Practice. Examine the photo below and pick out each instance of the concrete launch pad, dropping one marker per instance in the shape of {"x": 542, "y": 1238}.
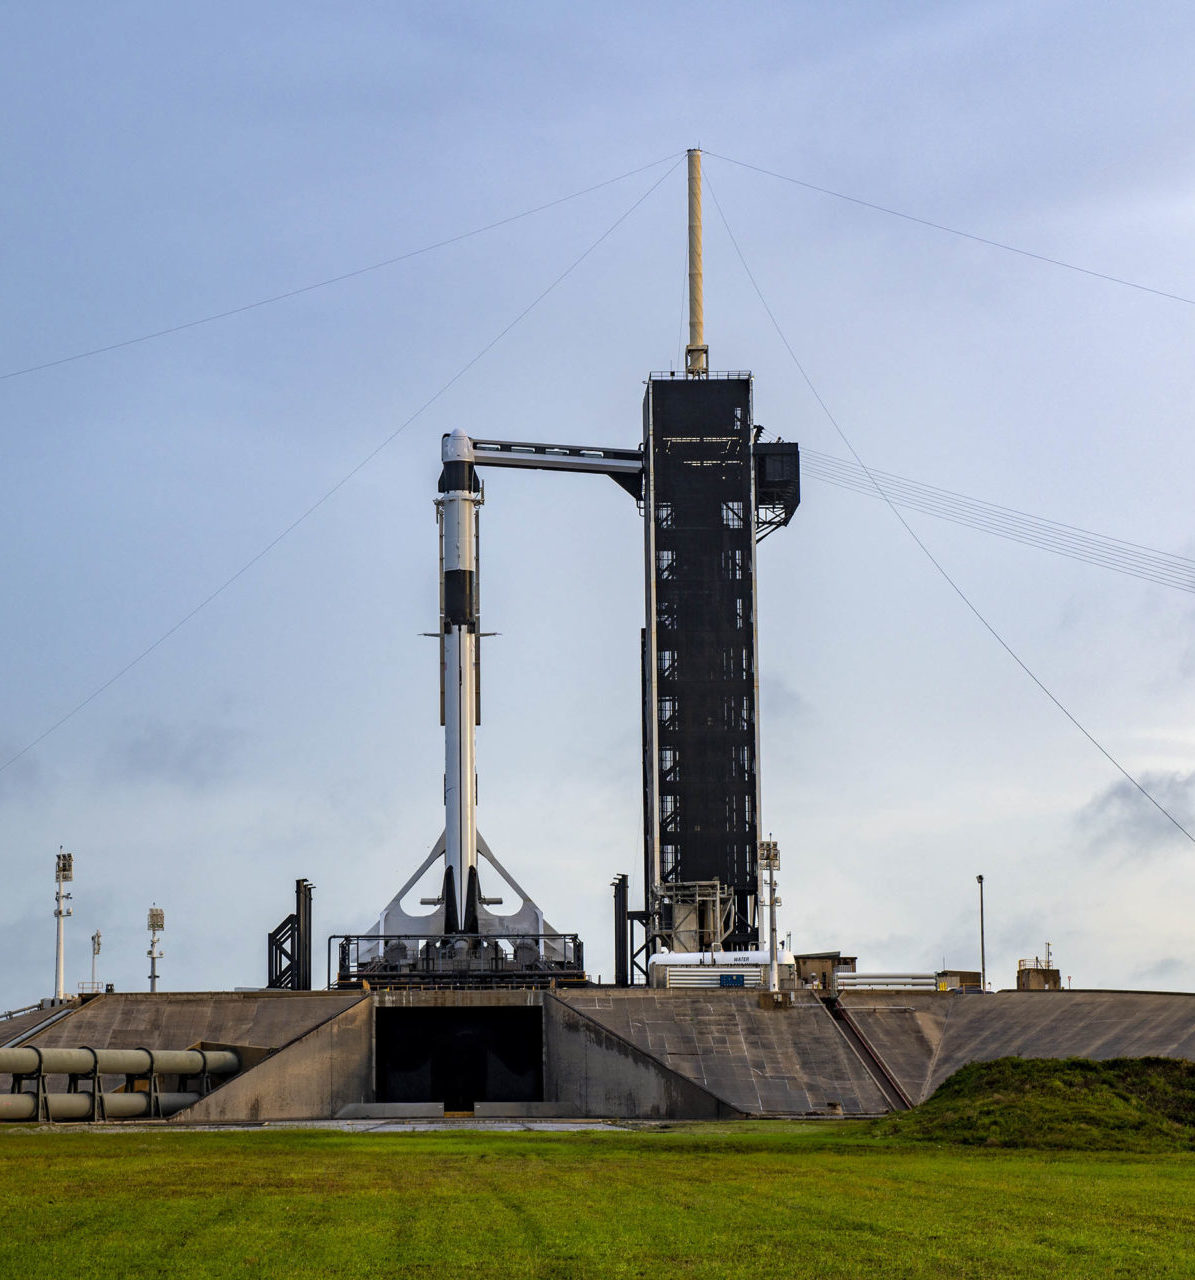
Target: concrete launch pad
{"x": 601, "y": 1052}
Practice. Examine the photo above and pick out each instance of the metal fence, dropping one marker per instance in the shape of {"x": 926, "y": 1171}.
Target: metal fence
{"x": 455, "y": 960}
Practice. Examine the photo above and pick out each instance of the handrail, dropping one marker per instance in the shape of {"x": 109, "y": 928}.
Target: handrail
{"x": 14, "y": 1013}
{"x": 490, "y": 959}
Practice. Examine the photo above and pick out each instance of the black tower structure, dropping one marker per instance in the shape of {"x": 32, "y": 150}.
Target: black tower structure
{"x": 289, "y": 945}
{"x": 711, "y": 492}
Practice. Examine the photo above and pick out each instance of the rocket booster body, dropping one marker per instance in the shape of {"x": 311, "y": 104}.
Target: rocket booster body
{"x": 457, "y": 510}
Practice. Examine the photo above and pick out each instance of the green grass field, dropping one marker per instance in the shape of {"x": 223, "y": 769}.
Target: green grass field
{"x": 778, "y": 1200}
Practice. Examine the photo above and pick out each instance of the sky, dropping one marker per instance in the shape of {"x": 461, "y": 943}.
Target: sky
{"x": 220, "y": 544}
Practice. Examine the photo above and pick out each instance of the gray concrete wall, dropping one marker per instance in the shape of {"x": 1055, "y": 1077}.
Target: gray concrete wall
{"x": 20, "y": 1027}
{"x": 456, "y": 999}
{"x": 176, "y": 1019}
{"x": 592, "y": 1071}
{"x": 903, "y": 1029}
{"x": 638, "y": 1053}
{"x": 313, "y": 1078}
{"x": 783, "y": 1060}
{"x": 925, "y": 1036}
{"x": 1064, "y": 1024}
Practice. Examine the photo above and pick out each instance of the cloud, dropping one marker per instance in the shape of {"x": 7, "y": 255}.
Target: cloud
{"x": 1186, "y": 663}
{"x": 779, "y": 699}
{"x": 1120, "y": 820}
{"x": 196, "y": 756}
{"x": 1168, "y": 965}
{"x": 21, "y": 778}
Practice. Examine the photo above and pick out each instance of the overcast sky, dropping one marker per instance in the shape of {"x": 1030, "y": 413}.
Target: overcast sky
{"x": 163, "y": 163}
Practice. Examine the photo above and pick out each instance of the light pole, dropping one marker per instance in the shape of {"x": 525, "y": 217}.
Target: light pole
{"x": 983, "y": 964}
{"x": 769, "y": 860}
{"x": 156, "y": 923}
{"x": 64, "y": 871}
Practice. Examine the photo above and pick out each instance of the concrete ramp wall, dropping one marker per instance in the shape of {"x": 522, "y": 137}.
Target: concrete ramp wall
{"x": 607, "y": 1052}
{"x": 1064, "y": 1024}
{"x": 923, "y": 1037}
{"x": 176, "y": 1019}
{"x": 790, "y": 1060}
{"x": 264, "y": 1020}
{"x": 593, "y": 1071}
{"x": 903, "y": 1029}
{"x": 326, "y": 1069}
{"x": 22, "y": 1026}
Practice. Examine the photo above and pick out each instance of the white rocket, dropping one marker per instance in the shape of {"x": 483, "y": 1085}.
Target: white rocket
{"x": 461, "y": 907}
{"x": 459, "y": 628}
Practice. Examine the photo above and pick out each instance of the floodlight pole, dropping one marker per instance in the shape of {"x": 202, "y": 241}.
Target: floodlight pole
{"x": 64, "y": 871}
{"x": 773, "y": 969}
{"x": 155, "y": 921}
{"x": 983, "y": 964}
{"x": 769, "y": 860}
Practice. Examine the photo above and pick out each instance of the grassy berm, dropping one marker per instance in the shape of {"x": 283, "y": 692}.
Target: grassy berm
{"x": 1074, "y": 1104}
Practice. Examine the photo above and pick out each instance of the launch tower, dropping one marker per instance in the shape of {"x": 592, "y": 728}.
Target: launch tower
{"x": 709, "y": 491}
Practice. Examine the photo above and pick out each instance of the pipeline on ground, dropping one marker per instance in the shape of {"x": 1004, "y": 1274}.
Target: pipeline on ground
{"x": 32, "y": 1060}
{"x": 33, "y": 1063}
{"x": 78, "y": 1106}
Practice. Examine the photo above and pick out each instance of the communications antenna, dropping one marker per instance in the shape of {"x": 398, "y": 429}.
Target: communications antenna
{"x": 156, "y": 923}
{"x": 95, "y": 951}
{"x": 64, "y": 871}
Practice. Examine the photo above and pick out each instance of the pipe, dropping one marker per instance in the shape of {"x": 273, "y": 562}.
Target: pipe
{"x": 887, "y": 977}
{"x": 759, "y": 957}
{"x": 696, "y": 353}
{"x": 77, "y": 1106}
{"x": 132, "y": 1062}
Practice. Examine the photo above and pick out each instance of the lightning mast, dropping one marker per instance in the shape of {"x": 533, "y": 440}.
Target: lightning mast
{"x": 696, "y": 353}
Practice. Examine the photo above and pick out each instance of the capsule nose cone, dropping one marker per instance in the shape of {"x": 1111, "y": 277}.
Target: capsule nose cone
{"x": 456, "y": 447}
